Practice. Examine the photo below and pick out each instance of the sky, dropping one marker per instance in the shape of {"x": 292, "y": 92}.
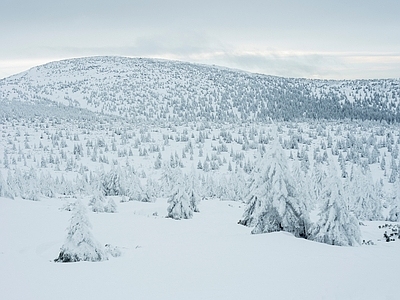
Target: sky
{"x": 309, "y": 38}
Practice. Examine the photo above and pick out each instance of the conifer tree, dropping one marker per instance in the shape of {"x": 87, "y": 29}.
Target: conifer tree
{"x": 4, "y": 192}
{"x": 80, "y": 244}
{"x": 336, "y": 225}
{"x": 192, "y": 187}
{"x": 273, "y": 201}
{"x": 179, "y": 204}
{"x": 363, "y": 199}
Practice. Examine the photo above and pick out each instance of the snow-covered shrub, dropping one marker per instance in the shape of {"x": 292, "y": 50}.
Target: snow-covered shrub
{"x": 111, "y": 206}
{"x": 99, "y": 203}
{"x": 68, "y": 206}
{"x": 80, "y": 244}
{"x": 114, "y": 251}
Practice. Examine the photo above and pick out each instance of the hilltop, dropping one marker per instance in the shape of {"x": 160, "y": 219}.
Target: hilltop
{"x": 162, "y": 90}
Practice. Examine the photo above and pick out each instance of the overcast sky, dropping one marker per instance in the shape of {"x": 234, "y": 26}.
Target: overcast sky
{"x": 292, "y": 38}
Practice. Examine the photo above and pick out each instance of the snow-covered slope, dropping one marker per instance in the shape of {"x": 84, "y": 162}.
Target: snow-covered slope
{"x": 149, "y": 89}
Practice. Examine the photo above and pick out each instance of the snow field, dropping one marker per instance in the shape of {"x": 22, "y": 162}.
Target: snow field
{"x": 207, "y": 257}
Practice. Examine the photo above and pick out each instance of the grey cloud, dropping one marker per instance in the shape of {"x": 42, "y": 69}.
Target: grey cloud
{"x": 220, "y": 32}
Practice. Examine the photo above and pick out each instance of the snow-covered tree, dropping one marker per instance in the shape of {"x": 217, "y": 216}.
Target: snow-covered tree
{"x": 303, "y": 185}
{"x": 318, "y": 177}
{"x": 80, "y": 244}
{"x": 273, "y": 202}
{"x": 237, "y": 186}
{"x": 47, "y": 185}
{"x": 363, "y": 199}
{"x": 99, "y": 203}
{"x": 336, "y": 225}
{"x": 179, "y": 204}
{"x": 394, "y": 214}
{"x": 179, "y": 201}
{"x": 4, "y": 192}
{"x": 192, "y": 188}
{"x": 112, "y": 183}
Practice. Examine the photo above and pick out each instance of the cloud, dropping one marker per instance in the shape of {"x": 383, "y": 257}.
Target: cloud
{"x": 307, "y": 65}
{"x": 199, "y": 47}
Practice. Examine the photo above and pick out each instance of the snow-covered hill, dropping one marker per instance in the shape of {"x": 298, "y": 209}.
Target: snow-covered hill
{"x": 332, "y": 182}
{"x": 149, "y": 89}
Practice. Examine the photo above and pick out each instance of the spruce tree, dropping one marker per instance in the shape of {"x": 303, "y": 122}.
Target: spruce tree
{"x": 80, "y": 244}
{"x": 363, "y": 199}
{"x": 179, "y": 204}
{"x": 336, "y": 224}
{"x": 273, "y": 202}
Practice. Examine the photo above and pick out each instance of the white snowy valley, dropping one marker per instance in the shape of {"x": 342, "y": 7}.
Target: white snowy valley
{"x": 96, "y": 206}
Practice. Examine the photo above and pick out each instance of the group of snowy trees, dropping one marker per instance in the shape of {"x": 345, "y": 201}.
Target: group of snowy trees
{"x": 276, "y": 202}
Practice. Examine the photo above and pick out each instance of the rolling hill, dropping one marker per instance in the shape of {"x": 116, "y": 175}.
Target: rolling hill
{"x": 154, "y": 90}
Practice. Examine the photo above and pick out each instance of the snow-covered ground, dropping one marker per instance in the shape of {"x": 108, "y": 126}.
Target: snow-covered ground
{"x": 207, "y": 257}
{"x": 51, "y": 161}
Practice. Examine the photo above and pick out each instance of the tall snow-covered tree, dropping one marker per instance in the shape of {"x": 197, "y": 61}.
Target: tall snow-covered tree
{"x": 394, "y": 213}
{"x": 192, "y": 187}
{"x": 80, "y": 244}
{"x": 394, "y": 170}
{"x": 273, "y": 202}
{"x": 303, "y": 185}
{"x": 4, "y": 192}
{"x": 363, "y": 199}
{"x": 336, "y": 225}
{"x": 237, "y": 186}
{"x": 318, "y": 177}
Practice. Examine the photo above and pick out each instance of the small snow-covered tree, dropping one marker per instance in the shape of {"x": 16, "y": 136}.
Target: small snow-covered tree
{"x": 98, "y": 203}
{"x": 80, "y": 244}
{"x": 28, "y": 185}
{"x": 4, "y": 191}
{"x": 179, "y": 201}
{"x": 336, "y": 225}
{"x": 179, "y": 204}
{"x": 111, "y": 206}
{"x": 192, "y": 188}
{"x": 112, "y": 183}
{"x": 237, "y": 186}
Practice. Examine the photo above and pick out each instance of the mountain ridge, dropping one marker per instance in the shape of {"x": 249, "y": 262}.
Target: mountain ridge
{"x": 155, "y": 89}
